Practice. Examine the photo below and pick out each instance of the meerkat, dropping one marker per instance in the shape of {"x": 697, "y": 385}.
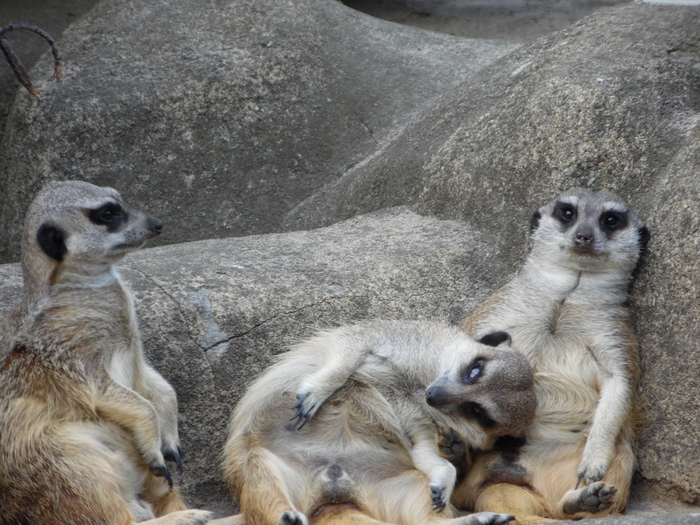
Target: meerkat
{"x": 85, "y": 423}
{"x": 362, "y": 443}
{"x": 567, "y": 312}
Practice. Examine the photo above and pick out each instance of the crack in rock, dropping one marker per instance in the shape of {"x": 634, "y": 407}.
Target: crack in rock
{"x": 266, "y": 320}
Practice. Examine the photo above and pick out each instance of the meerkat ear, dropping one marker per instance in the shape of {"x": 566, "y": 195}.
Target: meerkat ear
{"x": 52, "y": 241}
{"x": 495, "y": 339}
{"x": 535, "y": 220}
{"x": 644, "y": 236}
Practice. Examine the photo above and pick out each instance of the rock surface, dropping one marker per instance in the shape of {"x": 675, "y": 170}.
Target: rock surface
{"x": 221, "y": 116}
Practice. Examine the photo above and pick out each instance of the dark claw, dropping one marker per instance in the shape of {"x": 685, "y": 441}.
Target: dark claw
{"x": 580, "y": 479}
{"x": 176, "y": 457}
{"x": 301, "y": 416}
{"x": 162, "y": 471}
{"x": 438, "y": 503}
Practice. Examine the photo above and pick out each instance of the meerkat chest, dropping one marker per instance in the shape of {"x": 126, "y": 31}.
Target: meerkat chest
{"x": 560, "y": 338}
{"x": 125, "y": 352}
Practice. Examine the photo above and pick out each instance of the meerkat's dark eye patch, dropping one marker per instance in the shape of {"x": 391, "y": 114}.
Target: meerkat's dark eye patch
{"x": 477, "y": 413}
{"x": 644, "y": 236}
{"x": 472, "y": 372}
{"x": 52, "y": 241}
{"x": 565, "y": 213}
{"x": 111, "y": 215}
{"x": 613, "y": 220}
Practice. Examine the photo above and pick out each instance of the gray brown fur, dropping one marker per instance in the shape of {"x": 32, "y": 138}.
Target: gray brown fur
{"x": 362, "y": 446}
{"x": 84, "y": 420}
{"x": 567, "y": 312}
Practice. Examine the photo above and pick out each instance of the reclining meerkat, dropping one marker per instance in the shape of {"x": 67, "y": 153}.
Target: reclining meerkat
{"x": 567, "y": 312}
{"x": 362, "y": 446}
{"x": 85, "y": 422}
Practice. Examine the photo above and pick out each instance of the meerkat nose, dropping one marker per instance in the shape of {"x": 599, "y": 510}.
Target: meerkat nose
{"x": 157, "y": 225}
{"x": 584, "y": 237}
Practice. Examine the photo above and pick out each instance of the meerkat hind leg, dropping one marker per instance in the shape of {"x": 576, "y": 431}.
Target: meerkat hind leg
{"x": 264, "y": 497}
{"x": 344, "y": 514}
{"x": 527, "y": 507}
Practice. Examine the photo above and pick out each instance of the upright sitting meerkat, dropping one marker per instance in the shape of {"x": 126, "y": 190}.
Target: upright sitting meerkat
{"x": 362, "y": 446}
{"x": 567, "y": 313}
{"x": 85, "y": 422}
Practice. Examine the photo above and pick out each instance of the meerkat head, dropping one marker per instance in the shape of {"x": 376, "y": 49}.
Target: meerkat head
{"x": 589, "y": 231}
{"x": 76, "y": 226}
{"x": 492, "y": 385}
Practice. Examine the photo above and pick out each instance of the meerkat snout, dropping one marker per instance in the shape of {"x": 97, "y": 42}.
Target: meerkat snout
{"x": 584, "y": 236}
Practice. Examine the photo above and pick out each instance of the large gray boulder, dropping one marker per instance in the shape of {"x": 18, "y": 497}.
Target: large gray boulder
{"x": 222, "y": 116}
{"x": 214, "y": 313}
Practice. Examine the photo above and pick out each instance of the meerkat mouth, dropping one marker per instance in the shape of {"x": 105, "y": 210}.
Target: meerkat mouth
{"x": 129, "y": 245}
{"x": 587, "y": 252}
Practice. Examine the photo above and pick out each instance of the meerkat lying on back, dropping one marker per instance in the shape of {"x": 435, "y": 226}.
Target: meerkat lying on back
{"x": 85, "y": 422}
{"x": 362, "y": 444}
{"x": 567, "y": 312}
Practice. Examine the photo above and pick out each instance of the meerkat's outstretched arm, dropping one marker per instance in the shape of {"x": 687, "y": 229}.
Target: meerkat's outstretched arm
{"x": 611, "y": 412}
{"x": 132, "y": 370}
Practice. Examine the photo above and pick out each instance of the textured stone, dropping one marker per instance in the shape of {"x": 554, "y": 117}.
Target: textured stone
{"x": 222, "y": 115}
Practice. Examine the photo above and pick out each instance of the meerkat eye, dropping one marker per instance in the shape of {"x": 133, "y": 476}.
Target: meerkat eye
{"x": 473, "y": 371}
{"x": 613, "y": 220}
{"x": 564, "y": 212}
{"x": 109, "y": 214}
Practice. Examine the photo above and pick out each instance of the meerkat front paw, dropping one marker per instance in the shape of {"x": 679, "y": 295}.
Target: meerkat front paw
{"x": 454, "y": 450}
{"x": 439, "y": 500}
{"x": 307, "y": 405}
{"x": 292, "y": 517}
{"x": 591, "y": 498}
{"x": 176, "y": 457}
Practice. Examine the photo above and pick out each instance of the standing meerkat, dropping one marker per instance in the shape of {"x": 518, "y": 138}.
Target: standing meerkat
{"x": 362, "y": 446}
{"x": 85, "y": 422}
{"x": 567, "y": 313}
